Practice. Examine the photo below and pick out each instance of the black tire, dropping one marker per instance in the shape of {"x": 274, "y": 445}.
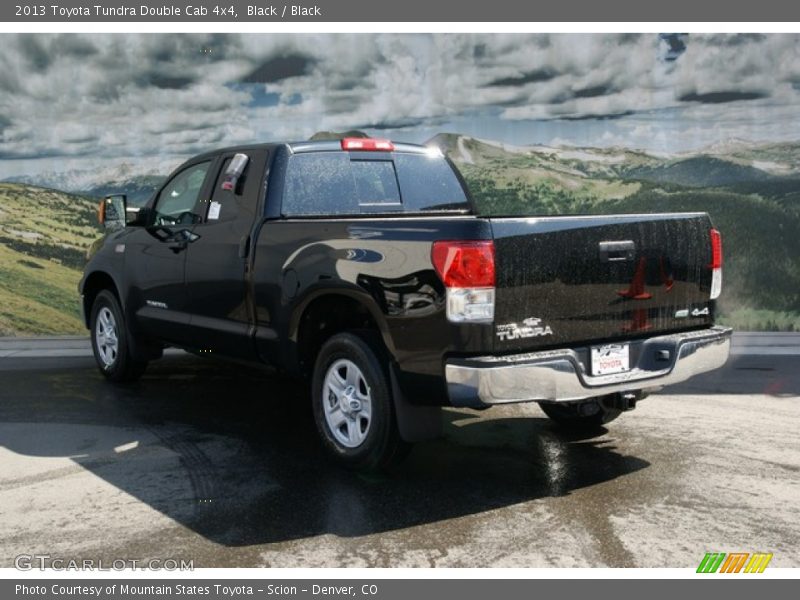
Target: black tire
{"x": 580, "y": 415}
{"x": 118, "y": 366}
{"x": 377, "y": 439}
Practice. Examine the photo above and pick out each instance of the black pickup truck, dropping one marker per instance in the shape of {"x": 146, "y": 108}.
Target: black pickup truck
{"x": 362, "y": 266}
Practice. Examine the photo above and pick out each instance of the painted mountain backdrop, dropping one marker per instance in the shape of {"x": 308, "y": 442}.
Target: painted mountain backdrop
{"x": 751, "y": 191}
{"x": 545, "y": 123}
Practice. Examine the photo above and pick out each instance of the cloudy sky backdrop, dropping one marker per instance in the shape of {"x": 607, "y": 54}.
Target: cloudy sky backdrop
{"x": 72, "y": 101}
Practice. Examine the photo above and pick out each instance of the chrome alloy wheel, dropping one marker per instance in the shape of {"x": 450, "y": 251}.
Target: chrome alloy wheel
{"x": 105, "y": 337}
{"x": 347, "y": 403}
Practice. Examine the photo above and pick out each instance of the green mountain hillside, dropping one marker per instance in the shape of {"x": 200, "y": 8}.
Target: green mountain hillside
{"x": 781, "y": 159}
{"x": 758, "y": 212}
{"x": 752, "y": 193}
{"x": 44, "y": 235}
{"x": 761, "y": 245}
{"x": 699, "y": 171}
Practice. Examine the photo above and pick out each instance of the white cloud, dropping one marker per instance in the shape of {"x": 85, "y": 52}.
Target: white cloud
{"x": 73, "y": 96}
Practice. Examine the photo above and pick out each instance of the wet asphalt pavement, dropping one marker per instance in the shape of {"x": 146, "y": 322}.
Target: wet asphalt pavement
{"x": 220, "y": 464}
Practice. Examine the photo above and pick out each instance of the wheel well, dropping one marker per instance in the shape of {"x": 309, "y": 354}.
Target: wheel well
{"x": 325, "y": 317}
{"x": 95, "y": 283}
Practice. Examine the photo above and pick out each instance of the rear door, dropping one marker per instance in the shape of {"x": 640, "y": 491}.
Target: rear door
{"x": 566, "y": 281}
{"x": 217, "y": 258}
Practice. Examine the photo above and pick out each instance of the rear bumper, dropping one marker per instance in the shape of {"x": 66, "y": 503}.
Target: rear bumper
{"x": 562, "y": 375}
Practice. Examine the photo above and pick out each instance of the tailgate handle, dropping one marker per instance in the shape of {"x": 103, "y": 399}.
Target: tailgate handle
{"x": 617, "y": 251}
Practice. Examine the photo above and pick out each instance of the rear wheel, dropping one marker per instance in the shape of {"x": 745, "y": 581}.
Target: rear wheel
{"x": 585, "y": 414}
{"x": 111, "y": 339}
{"x": 352, "y": 403}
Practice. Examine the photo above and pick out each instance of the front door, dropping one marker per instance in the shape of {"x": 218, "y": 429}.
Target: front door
{"x": 155, "y": 256}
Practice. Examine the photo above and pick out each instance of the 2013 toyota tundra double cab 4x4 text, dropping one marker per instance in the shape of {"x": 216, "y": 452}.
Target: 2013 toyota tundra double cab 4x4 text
{"x": 362, "y": 266}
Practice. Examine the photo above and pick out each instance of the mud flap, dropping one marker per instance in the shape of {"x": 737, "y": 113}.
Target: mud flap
{"x": 143, "y": 351}
{"x": 415, "y": 423}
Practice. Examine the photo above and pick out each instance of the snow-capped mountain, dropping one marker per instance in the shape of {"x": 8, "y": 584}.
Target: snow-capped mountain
{"x": 138, "y": 180}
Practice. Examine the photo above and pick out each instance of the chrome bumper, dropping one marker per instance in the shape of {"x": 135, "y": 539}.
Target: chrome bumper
{"x": 562, "y": 375}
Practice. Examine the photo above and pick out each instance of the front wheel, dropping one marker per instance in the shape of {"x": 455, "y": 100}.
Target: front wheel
{"x": 352, "y": 403}
{"x": 575, "y": 415}
{"x": 110, "y": 340}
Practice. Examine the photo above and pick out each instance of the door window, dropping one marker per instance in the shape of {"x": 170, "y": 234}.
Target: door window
{"x": 236, "y": 197}
{"x": 176, "y": 202}
{"x": 224, "y": 205}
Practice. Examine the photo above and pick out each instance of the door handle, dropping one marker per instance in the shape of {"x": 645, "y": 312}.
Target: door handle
{"x": 179, "y": 246}
{"x": 617, "y": 251}
{"x": 181, "y": 240}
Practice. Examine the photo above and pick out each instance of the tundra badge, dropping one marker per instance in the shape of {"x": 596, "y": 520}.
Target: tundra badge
{"x": 530, "y": 327}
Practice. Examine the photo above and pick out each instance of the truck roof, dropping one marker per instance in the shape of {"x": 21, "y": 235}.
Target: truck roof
{"x": 308, "y": 146}
{"x": 336, "y": 145}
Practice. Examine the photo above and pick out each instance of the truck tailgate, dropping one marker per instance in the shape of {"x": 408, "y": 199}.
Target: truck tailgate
{"x": 568, "y": 281}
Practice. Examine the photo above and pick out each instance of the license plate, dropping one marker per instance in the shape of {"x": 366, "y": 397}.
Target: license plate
{"x": 611, "y": 358}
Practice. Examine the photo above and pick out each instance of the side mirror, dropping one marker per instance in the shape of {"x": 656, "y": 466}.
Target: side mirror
{"x": 112, "y": 212}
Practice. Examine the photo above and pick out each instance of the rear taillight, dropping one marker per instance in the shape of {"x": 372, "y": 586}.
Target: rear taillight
{"x": 716, "y": 249}
{"x": 716, "y": 264}
{"x": 367, "y": 144}
{"x": 467, "y": 271}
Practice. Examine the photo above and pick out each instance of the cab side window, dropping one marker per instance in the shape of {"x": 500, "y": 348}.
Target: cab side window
{"x": 225, "y": 201}
{"x": 237, "y": 189}
{"x": 176, "y": 202}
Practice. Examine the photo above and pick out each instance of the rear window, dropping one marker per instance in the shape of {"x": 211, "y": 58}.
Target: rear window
{"x": 376, "y": 185}
{"x": 429, "y": 183}
{"x": 341, "y": 183}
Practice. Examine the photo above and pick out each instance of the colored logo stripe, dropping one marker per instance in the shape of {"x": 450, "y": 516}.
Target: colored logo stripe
{"x": 711, "y": 562}
{"x": 758, "y": 563}
{"x": 734, "y": 562}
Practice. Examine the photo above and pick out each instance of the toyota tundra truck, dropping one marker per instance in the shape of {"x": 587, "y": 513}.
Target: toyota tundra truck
{"x": 362, "y": 267}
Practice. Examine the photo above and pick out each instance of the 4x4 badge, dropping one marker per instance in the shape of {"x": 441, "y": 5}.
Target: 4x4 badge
{"x": 696, "y": 312}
